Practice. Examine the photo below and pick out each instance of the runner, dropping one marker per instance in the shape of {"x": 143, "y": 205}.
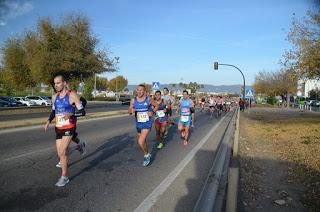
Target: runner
{"x": 212, "y": 104}
{"x": 184, "y": 106}
{"x": 65, "y": 122}
{"x": 170, "y": 100}
{"x": 219, "y": 102}
{"x": 202, "y": 103}
{"x": 161, "y": 119}
{"x": 193, "y": 114}
{"x": 142, "y": 106}
{"x": 81, "y": 145}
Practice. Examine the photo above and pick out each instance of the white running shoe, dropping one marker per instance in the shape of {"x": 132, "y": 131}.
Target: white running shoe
{"x": 62, "y": 181}
{"x": 58, "y": 165}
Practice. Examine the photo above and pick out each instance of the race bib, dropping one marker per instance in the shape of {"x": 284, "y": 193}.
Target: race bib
{"x": 160, "y": 113}
{"x": 142, "y": 116}
{"x": 184, "y": 118}
{"x": 60, "y": 121}
{"x": 185, "y": 110}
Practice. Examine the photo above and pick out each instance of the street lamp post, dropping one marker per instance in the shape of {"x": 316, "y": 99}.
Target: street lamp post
{"x": 216, "y": 66}
{"x": 95, "y": 85}
{"x": 117, "y": 96}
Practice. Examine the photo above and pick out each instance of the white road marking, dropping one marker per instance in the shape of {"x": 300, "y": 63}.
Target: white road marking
{"x": 153, "y": 197}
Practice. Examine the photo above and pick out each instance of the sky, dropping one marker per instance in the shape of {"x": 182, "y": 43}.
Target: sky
{"x": 174, "y": 41}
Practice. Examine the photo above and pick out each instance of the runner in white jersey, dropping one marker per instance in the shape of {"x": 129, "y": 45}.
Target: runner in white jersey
{"x": 219, "y": 102}
{"x": 212, "y": 103}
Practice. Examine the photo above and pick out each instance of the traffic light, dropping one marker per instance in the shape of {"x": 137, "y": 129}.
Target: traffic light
{"x": 215, "y": 65}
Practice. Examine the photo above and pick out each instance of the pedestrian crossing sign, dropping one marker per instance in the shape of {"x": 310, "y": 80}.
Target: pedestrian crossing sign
{"x": 249, "y": 93}
{"x": 155, "y": 85}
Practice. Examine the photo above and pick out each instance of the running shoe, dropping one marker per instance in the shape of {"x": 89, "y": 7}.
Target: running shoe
{"x": 62, "y": 181}
{"x": 58, "y": 165}
{"x": 160, "y": 145}
{"x": 185, "y": 142}
{"x": 146, "y": 159}
{"x": 82, "y": 148}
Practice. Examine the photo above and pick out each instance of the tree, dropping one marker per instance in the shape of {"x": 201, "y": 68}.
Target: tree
{"x": 314, "y": 94}
{"x": 305, "y": 38}
{"x": 118, "y": 83}
{"x": 88, "y": 88}
{"x": 183, "y": 85}
{"x": 102, "y": 83}
{"x": 282, "y": 83}
{"x": 16, "y": 70}
{"x": 193, "y": 86}
{"x": 68, "y": 47}
{"x": 147, "y": 86}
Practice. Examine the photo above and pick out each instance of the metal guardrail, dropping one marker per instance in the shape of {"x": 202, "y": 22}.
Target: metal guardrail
{"x": 213, "y": 193}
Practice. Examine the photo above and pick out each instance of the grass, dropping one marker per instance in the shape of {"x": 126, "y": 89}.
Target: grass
{"x": 294, "y": 138}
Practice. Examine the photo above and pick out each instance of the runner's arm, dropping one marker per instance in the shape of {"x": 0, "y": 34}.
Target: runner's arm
{"x": 75, "y": 99}
{"x": 172, "y": 101}
{"x": 166, "y": 104}
{"x": 191, "y": 104}
{"x": 131, "y": 109}
{"x": 52, "y": 114}
{"x": 178, "y": 107}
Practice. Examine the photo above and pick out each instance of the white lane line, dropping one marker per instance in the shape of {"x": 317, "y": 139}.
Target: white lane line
{"x": 27, "y": 154}
{"x": 153, "y": 197}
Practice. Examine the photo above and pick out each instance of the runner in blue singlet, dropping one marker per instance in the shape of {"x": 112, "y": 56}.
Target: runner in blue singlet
{"x": 143, "y": 107}
{"x": 184, "y": 108}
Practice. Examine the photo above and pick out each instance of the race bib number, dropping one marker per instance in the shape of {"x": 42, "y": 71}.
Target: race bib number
{"x": 160, "y": 113}
{"x": 184, "y": 118}
{"x": 185, "y": 110}
{"x": 60, "y": 121}
{"x": 142, "y": 116}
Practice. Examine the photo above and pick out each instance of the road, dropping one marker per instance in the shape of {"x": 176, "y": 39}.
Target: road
{"x": 91, "y": 108}
{"x": 111, "y": 176}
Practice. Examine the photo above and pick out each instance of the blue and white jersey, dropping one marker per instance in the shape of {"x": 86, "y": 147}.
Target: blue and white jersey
{"x": 142, "y": 109}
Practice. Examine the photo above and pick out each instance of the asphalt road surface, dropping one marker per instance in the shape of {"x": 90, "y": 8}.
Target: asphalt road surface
{"x": 91, "y": 108}
{"x": 110, "y": 177}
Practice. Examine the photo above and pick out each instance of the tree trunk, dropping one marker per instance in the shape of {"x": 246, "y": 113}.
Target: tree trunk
{"x": 288, "y": 100}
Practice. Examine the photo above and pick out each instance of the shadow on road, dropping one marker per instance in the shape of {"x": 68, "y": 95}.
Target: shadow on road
{"x": 109, "y": 148}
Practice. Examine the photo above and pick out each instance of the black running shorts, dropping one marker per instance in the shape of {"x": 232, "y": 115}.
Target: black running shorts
{"x": 65, "y": 132}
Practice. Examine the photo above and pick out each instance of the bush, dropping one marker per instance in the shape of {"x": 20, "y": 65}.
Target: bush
{"x": 271, "y": 100}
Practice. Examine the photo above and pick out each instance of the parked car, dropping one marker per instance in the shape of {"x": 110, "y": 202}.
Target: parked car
{"x": 11, "y": 100}
{"x": 39, "y": 100}
{"x": 46, "y": 97}
{"x": 25, "y": 102}
{"x": 4, "y": 103}
{"x": 125, "y": 99}
{"x": 315, "y": 103}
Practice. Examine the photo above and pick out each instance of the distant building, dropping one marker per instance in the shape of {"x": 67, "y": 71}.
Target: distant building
{"x": 305, "y": 86}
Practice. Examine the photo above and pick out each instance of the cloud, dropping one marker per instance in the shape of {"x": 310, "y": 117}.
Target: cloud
{"x": 12, "y": 9}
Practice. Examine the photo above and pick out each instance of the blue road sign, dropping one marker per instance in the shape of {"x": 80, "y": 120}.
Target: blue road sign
{"x": 250, "y": 93}
{"x": 155, "y": 85}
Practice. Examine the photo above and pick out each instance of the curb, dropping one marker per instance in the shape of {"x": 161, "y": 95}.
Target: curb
{"x": 233, "y": 173}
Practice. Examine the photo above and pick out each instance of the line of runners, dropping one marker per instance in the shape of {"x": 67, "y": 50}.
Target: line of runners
{"x": 67, "y": 106}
